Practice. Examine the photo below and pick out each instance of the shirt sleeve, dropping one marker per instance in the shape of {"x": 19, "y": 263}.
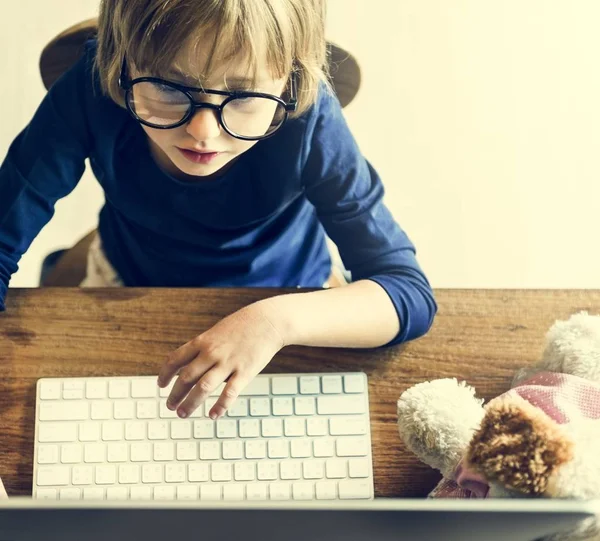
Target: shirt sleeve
{"x": 43, "y": 164}
{"x": 348, "y": 194}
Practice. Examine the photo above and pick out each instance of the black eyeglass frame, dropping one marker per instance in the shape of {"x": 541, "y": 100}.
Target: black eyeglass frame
{"x": 126, "y": 85}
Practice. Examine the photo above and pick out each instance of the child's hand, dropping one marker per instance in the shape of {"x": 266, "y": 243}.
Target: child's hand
{"x": 235, "y": 350}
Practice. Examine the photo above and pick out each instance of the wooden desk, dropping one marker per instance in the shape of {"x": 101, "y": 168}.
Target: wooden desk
{"x": 482, "y": 336}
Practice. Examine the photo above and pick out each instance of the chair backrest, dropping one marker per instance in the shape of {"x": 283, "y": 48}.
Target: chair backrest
{"x": 66, "y": 48}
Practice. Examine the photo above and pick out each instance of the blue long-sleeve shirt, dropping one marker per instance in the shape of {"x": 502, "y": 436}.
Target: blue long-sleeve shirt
{"x": 263, "y": 222}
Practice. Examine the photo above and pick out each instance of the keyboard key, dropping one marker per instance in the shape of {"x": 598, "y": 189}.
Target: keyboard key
{"x": 71, "y": 453}
{"x": 158, "y": 430}
{"x": 187, "y": 450}
{"x": 129, "y": 474}
{"x": 244, "y": 471}
{"x": 305, "y": 405}
{"x": 283, "y": 406}
{"x": 226, "y": 428}
{"x": 284, "y": 385}
{"x": 256, "y": 491}
{"x": 351, "y": 490}
{"x": 358, "y": 467}
{"x": 279, "y": 491}
{"x": 323, "y": 447}
{"x": 354, "y": 383}
{"x": 268, "y": 471}
{"x": 301, "y": 448}
{"x": 94, "y": 453}
{"x": 70, "y": 494}
{"x": 260, "y": 407}
{"x": 117, "y": 493}
{"x": 347, "y": 426}
{"x": 175, "y": 473}
{"x": 135, "y": 431}
{"x": 331, "y": 384}
{"x": 141, "y": 452}
{"x": 310, "y": 385}
{"x": 278, "y": 449}
{"x": 291, "y": 469}
{"x": 53, "y": 475}
{"x": 210, "y": 492}
{"x": 249, "y": 428}
{"x": 352, "y": 447}
{"x": 50, "y": 390}
{"x": 256, "y": 449}
{"x": 118, "y": 388}
{"x": 57, "y": 432}
{"x": 204, "y": 429}
{"x": 233, "y": 450}
{"x": 47, "y": 454}
{"x": 272, "y": 428}
{"x": 335, "y": 469}
{"x": 141, "y": 493}
{"x": 106, "y": 475}
{"x": 233, "y": 492}
{"x": 187, "y": 492}
{"x": 101, "y": 410}
{"x": 303, "y": 491}
{"x": 89, "y": 431}
{"x": 198, "y": 473}
{"x": 181, "y": 430}
{"x": 144, "y": 388}
{"x": 292, "y": 426}
{"x": 314, "y": 470}
{"x": 116, "y": 452}
{"x": 112, "y": 431}
{"x": 46, "y": 494}
{"x": 340, "y": 405}
{"x": 152, "y": 473}
{"x": 124, "y": 409}
{"x": 210, "y": 450}
{"x": 146, "y": 409}
{"x": 64, "y": 411}
{"x": 164, "y": 451}
{"x": 317, "y": 426}
{"x": 257, "y": 387}
{"x": 95, "y": 389}
{"x": 93, "y": 493}
{"x": 326, "y": 490}
{"x": 166, "y": 413}
{"x": 221, "y": 471}
{"x": 239, "y": 408}
{"x": 165, "y": 493}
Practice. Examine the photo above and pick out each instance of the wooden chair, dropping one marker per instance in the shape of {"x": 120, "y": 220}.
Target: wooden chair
{"x": 67, "y": 268}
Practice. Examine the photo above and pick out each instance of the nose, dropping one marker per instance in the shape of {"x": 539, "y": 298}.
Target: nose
{"x": 204, "y": 125}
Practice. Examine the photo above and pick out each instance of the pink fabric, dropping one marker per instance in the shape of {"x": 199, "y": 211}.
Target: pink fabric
{"x": 563, "y": 397}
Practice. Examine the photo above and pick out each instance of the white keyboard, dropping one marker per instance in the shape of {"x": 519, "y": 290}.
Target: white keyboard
{"x": 287, "y": 437}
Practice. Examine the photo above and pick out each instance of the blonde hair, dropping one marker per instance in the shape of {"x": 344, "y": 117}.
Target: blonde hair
{"x": 151, "y": 34}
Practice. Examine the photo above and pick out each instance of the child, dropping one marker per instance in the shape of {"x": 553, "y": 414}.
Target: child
{"x": 225, "y": 160}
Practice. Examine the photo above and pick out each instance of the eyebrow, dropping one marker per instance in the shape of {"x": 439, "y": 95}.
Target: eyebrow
{"x": 229, "y": 80}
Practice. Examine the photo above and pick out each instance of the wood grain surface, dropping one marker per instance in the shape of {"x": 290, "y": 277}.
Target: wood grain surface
{"x": 482, "y": 336}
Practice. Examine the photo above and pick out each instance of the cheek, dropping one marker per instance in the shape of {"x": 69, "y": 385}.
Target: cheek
{"x": 162, "y": 138}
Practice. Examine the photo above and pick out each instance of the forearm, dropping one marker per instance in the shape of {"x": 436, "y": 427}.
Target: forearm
{"x": 360, "y": 315}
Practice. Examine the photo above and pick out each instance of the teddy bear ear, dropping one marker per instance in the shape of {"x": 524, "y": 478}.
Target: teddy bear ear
{"x": 518, "y": 446}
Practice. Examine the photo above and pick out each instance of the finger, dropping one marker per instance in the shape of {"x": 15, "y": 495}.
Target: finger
{"x": 202, "y": 390}
{"x": 187, "y": 378}
{"x": 177, "y": 359}
{"x": 230, "y": 393}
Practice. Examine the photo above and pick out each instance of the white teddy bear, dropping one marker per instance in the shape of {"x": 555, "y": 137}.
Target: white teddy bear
{"x": 539, "y": 439}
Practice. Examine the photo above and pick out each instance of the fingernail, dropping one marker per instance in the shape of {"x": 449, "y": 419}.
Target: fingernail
{"x": 213, "y": 415}
{"x": 170, "y": 405}
{"x": 182, "y": 414}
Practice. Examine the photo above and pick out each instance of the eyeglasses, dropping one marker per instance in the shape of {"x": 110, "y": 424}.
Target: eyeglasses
{"x": 164, "y": 105}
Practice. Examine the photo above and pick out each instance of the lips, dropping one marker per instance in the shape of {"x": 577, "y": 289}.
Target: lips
{"x": 203, "y": 156}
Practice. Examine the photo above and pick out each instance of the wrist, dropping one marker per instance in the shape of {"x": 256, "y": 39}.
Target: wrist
{"x": 275, "y": 310}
